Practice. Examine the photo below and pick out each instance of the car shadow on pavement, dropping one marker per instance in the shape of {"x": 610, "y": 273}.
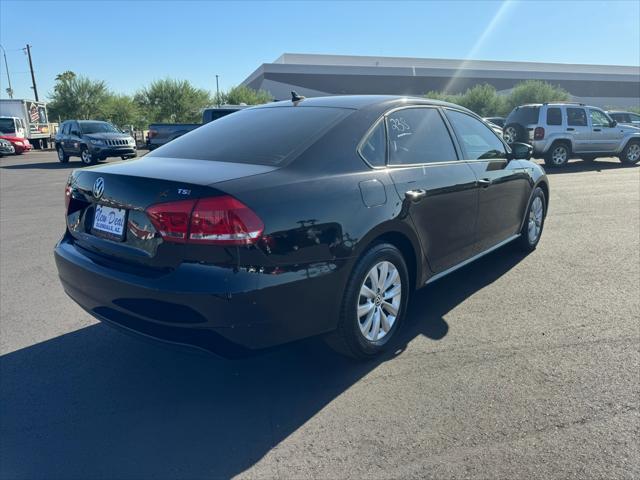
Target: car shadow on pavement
{"x": 576, "y": 166}
{"x": 97, "y": 404}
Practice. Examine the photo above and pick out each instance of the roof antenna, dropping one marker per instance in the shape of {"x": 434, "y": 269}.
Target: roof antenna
{"x": 295, "y": 97}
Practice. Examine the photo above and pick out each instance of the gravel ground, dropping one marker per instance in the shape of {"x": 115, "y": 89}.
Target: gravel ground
{"x": 513, "y": 367}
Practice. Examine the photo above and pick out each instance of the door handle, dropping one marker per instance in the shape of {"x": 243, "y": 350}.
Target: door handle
{"x": 597, "y": 129}
{"x": 415, "y": 195}
{"x": 485, "y": 182}
{"x": 570, "y": 129}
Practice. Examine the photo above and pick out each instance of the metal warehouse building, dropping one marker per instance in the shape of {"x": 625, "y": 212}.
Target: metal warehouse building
{"x": 317, "y": 75}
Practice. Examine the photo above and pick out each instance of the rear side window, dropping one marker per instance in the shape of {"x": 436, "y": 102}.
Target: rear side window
{"x": 554, "y": 116}
{"x": 374, "y": 146}
{"x": 620, "y": 117}
{"x": 418, "y": 135}
{"x": 576, "y": 117}
{"x": 524, "y": 115}
{"x": 263, "y": 136}
{"x": 478, "y": 141}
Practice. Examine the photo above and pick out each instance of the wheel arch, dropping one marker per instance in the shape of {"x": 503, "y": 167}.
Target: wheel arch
{"x": 565, "y": 140}
{"x": 409, "y": 247}
{"x": 630, "y": 139}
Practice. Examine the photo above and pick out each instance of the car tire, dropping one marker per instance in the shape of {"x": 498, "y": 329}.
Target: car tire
{"x": 558, "y": 155}
{"x": 533, "y": 222}
{"x": 513, "y": 132}
{"x": 631, "y": 153}
{"x": 62, "y": 157}
{"x": 18, "y": 152}
{"x": 86, "y": 157}
{"x": 361, "y": 332}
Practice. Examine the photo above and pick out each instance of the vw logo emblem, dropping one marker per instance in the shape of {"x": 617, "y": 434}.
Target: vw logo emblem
{"x": 98, "y": 187}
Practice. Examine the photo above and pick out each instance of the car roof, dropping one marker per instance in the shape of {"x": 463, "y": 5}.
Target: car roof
{"x": 358, "y": 102}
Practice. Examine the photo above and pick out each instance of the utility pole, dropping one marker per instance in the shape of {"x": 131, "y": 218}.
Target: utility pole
{"x": 6, "y": 65}
{"x": 33, "y": 77}
{"x": 217, "y": 92}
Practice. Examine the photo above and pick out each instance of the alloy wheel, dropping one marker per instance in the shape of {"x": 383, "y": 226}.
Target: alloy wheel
{"x": 510, "y": 135}
{"x": 536, "y": 213}
{"x": 633, "y": 152}
{"x": 61, "y": 154}
{"x": 86, "y": 156}
{"x": 379, "y": 301}
{"x": 559, "y": 155}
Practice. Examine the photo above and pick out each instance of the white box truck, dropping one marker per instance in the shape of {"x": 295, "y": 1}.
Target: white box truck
{"x": 27, "y": 119}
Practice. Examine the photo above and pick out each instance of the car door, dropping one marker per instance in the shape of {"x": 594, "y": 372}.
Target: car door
{"x": 504, "y": 185}
{"x": 579, "y": 130}
{"x": 73, "y": 138}
{"x": 439, "y": 190}
{"x": 61, "y": 136}
{"x": 604, "y": 136}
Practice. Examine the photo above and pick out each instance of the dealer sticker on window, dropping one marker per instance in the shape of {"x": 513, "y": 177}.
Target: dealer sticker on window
{"x": 109, "y": 220}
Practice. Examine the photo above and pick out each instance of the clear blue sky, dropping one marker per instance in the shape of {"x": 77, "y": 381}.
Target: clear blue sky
{"x": 128, "y": 44}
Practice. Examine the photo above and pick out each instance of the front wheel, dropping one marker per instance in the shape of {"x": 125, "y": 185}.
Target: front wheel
{"x": 631, "y": 153}
{"x": 534, "y": 221}
{"x": 86, "y": 156}
{"x": 374, "y": 303}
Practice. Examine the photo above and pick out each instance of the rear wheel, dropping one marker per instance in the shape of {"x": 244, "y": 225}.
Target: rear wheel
{"x": 534, "y": 221}
{"x": 374, "y": 303}
{"x": 86, "y": 157}
{"x": 62, "y": 157}
{"x": 558, "y": 155}
{"x": 631, "y": 153}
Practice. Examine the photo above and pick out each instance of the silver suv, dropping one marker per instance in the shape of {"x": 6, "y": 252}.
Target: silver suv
{"x": 559, "y": 131}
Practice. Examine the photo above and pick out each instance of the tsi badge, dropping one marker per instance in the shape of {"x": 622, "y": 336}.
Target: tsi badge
{"x": 98, "y": 187}
{"x": 184, "y": 191}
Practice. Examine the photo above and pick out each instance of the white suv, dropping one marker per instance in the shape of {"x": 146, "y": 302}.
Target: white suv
{"x": 559, "y": 131}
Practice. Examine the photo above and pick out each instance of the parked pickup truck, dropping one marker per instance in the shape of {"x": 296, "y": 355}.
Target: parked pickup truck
{"x": 161, "y": 133}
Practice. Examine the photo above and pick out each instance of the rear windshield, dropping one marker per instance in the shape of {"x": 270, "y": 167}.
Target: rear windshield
{"x": 7, "y": 126}
{"x": 97, "y": 127}
{"x": 263, "y": 136}
{"x": 524, "y": 115}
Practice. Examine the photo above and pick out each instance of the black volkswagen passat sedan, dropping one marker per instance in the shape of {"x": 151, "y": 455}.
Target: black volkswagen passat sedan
{"x": 296, "y": 218}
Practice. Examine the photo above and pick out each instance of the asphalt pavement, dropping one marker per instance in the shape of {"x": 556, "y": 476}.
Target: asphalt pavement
{"x": 513, "y": 367}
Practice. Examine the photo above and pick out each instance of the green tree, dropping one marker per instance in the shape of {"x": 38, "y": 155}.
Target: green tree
{"x": 173, "y": 101}
{"x": 122, "y": 110}
{"x": 483, "y": 100}
{"x": 241, "y": 94}
{"x": 534, "y": 91}
{"x": 78, "y": 97}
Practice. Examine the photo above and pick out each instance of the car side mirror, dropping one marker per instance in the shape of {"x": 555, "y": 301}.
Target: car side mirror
{"x": 520, "y": 151}
{"x": 613, "y": 123}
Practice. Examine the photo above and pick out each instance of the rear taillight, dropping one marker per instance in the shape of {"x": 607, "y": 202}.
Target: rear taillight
{"x": 220, "y": 220}
{"x": 67, "y": 197}
{"x": 538, "y": 133}
{"x": 172, "y": 219}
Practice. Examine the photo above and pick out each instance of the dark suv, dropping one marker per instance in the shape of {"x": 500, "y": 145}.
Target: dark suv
{"x": 93, "y": 140}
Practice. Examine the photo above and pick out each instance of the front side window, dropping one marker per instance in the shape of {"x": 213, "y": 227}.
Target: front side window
{"x": 373, "y": 148}
{"x": 554, "y": 116}
{"x": 598, "y": 118}
{"x": 477, "y": 140}
{"x": 7, "y": 126}
{"x": 576, "y": 117}
{"x": 418, "y": 135}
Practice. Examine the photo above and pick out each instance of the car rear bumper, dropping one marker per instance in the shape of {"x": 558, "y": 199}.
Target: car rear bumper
{"x": 222, "y": 310}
